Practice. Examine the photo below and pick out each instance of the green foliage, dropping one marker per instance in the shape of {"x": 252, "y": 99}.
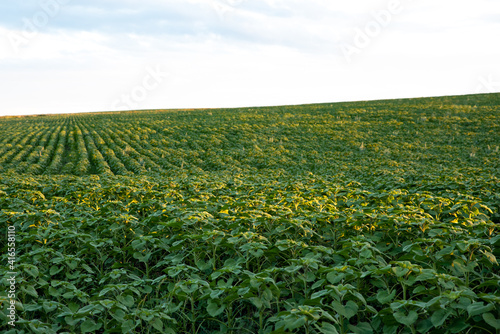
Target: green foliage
{"x": 369, "y": 217}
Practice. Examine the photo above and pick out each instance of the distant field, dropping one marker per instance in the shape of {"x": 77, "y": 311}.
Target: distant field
{"x": 362, "y": 217}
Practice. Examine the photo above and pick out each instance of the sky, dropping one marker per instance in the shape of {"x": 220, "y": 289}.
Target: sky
{"x": 65, "y": 56}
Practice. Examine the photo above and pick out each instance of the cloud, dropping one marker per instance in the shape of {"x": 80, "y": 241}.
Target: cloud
{"x": 271, "y": 22}
{"x": 239, "y": 52}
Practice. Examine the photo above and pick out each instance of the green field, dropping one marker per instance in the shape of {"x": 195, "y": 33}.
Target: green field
{"x": 362, "y": 217}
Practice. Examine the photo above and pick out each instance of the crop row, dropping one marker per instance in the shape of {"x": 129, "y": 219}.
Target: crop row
{"x": 108, "y": 149}
{"x": 71, "y": 150}
{"x": 82, "y": 166}
{"x": 356, "y": 137}
{"x": 16, "y": 145}
{"x": 23, "y": 149}
{"x": 141, "y": 158}
{"x": 95, "y": 156}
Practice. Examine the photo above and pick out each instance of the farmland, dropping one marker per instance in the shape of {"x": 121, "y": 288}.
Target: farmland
{"x": 361, "y": 217}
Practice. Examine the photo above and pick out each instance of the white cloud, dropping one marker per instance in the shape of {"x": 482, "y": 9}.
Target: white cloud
{"x": 240, "y": 52}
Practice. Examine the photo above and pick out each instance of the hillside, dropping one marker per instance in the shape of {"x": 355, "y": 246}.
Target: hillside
{"x": 412, "y": 135}
{"x": 358, "y": 217}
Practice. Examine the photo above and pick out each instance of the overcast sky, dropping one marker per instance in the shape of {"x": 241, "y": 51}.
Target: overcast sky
{"x": 75, "y": 56}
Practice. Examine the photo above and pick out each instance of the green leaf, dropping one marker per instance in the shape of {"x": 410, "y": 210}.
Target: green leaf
{"x": 243, "y": 291}
{"x": 86, "y": 309}
{"x": 439, "y": 317}
{"x": 128, "y": 326}
{"x": 320, "y": 294}
{"x": 70, "y": 320}
{"x": 157, "y": 323}
{"x": 426, "y": 274}
{"x": 459, "y": 267}
{"x": 317, "y": 284}
{"x": 256, "y": 301}
{"x": 127, "y": 300}
{"x": 327, "y": 328}
{"x": 32, "y": 270}
{"x": 32, "y": 307}
{"x": 72, "y": 264}
{"x": 30, "y": 290}
{"x": 419, "y": 289}
{"x": 168, "y": 330}
{"x": 50, "y": 306}
{"x": 479, "y": 308}
{"x": 89, "y": 326}
{"x": 54, "y": 270}
{"x": 406, "y": 319}
{"x": 400, "y": 272}
{"x": 143, "y": 257}
{"x": 424, "y": 326}
{"x": 69, "y": 294}
{"x": 347, "y": 311}
{"x": 138, "y": 244}
{"x": 358, "y": 295}
{"x": 390, "y": 329}
{"x": 491, "y": 320}
{"x": 335, "y": 277}
{"x": 87, "y": 268}
{"x": 214, "y": 310}
{"x": 145, "y": 288}
{"x": 107, "y": 303}
{"x": 384, "y": 297}
{"x": 295, "y": 323}
{"x": 361, "y": 328}
{"x": 458, "y": 326}
{"x": 490, "y": 257}
{"x": 366, "y": 253}
{"x": 119, "y": 315}
{"x": 202, "y": 265}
